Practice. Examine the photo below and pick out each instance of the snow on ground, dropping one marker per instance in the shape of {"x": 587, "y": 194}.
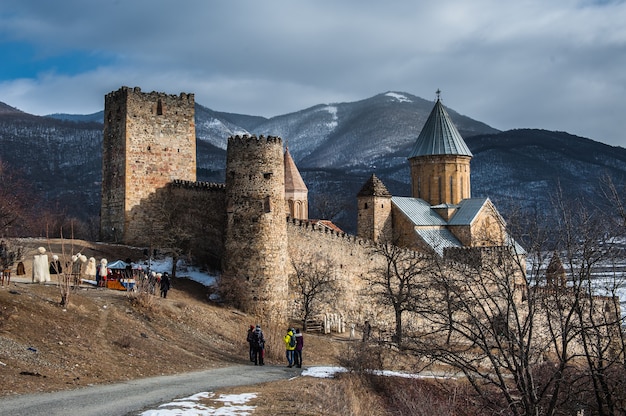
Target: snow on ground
{"x": 225, "y": 405}
{"x": 235, "y": 404}
{"x": 182, "y": 270}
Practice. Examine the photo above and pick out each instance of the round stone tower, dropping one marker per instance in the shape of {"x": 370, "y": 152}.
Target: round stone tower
{"x": 255, "y": 245}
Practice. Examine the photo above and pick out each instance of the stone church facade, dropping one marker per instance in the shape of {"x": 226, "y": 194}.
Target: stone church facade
{"x": 256, "y": 225}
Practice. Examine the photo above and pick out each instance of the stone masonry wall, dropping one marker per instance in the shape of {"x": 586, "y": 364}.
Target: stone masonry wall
{"x": 149, "y": 141}
{"x": 255, "y": 244}
{"x": 441, "y": 179}
{"x": 352, "y": 257}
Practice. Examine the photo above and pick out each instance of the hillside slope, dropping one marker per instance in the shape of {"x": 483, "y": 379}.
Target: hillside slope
{"x": 104, "y": 336}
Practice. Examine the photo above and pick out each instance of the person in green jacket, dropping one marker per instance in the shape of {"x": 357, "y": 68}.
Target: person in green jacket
{"x": 290, "y": 345}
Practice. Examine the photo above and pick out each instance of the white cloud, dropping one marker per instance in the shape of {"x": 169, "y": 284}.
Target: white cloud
{"x": 555, "y": 65}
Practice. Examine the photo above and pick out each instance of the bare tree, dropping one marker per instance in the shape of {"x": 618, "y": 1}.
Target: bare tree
{"x": 314, "y": 279}
{"x": 327, "y": 206}
{"x": 68, "y": 267}
{"x": 520, "y": 332}
{"x": 400, "y": 283}
{"x": 15, "y": 202}
{"x": 10, "y": 252}
{"x": 595, "y": 264}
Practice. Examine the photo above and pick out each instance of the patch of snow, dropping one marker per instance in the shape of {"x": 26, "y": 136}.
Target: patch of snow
{"x": 328, "y": 372}
{"x": 182, "y": 270}
{"x": 401, "y": 98}
{"x": 333, "y": 111}
{"x": 323, "y": 372}
{"x": 233, "y": 404}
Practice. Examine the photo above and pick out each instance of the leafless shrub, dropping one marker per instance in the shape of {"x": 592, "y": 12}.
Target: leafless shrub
{"x": 142, "y": 300}
{"x": 349, "y": 395}
{"x": 68, "y": 266}
{"x": 362, "y": 357}
{"x": 417, "y": 397}
{"x": 125, "y": 341}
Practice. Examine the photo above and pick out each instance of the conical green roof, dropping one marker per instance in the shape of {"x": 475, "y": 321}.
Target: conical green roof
{"x": 439, "y": 136}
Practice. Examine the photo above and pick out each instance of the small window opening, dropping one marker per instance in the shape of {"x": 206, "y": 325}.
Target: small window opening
{"x": 159, "y": 108}
{"x": 267, "y": 206}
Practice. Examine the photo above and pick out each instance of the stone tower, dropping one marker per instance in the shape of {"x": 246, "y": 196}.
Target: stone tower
{"x": 374, "y": 220}
{"x": 149, "y": 140}
{"x": 255, "y": 245}
{"x": 296, "y": 192}
{"x": 440, "y": 161}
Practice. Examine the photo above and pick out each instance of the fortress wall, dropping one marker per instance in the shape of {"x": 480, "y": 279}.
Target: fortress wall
{"x": 204, "y": 204}
{"x": 185, "y": 214}
{"x": 352, "y": 256}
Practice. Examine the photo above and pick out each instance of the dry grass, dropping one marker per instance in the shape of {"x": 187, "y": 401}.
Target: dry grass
{"x": 106, "y": 336}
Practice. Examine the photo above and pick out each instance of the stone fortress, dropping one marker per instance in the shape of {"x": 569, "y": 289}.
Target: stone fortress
{"x": 256, "y": 224}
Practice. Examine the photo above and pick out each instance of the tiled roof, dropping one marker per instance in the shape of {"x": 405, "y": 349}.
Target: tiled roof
{"x": 439, "y": 136}
{"x": 438, "y": 238}
{"x": 293, "y": 180}
{"x": 327, "y": 224}
{"x": 468, "y": 209}
{"x": 432, "y": 229}
{"x": 374, "y": 187}
{"x": 417, "y": 211}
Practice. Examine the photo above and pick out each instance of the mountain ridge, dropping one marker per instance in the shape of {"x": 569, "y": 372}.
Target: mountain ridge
{"x": 336, "y": 147}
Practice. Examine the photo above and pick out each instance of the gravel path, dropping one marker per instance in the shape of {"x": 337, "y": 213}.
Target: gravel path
{"x": 130, "y": 397}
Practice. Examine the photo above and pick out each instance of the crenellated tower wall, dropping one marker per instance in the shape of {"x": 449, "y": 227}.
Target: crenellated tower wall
{"x": 149, "y": 141}
{"x": 255, "y": 243}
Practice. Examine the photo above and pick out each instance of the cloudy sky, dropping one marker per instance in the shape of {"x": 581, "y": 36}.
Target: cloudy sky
{"x": 557, "y": 65}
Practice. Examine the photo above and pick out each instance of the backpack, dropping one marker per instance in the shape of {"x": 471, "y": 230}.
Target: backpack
{"x": 257, "y": 340}
{"x": 292, "y": 341}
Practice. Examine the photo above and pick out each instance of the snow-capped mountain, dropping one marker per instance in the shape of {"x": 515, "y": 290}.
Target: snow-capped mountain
{"x": 336, "y": 146}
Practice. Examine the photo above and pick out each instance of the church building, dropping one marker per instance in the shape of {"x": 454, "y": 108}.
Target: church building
{"x": 440, "y": 215}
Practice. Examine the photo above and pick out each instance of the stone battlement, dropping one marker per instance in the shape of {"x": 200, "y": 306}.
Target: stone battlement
{"x": 253, "y": 139}
{"x": 198, "y": 185}
{"x": 183, "y": 96}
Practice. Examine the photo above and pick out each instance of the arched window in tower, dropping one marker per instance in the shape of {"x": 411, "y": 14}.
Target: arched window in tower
{"x": 159, "y": 108}
{"x": 419, "y": 187}
{"x": 440, "y": 190}
{"x": 462, "y": 189}
{"x": 298, "y": 209}
{"x": 451, "y": 190}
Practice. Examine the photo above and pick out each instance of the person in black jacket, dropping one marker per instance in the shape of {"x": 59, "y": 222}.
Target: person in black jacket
{"x": 258, "y": 346}
{"x": 250, "y": 339}
{"x": 166, "y": 284}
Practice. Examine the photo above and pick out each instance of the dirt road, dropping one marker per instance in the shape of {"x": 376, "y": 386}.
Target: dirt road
{"x": 130, "y": 397}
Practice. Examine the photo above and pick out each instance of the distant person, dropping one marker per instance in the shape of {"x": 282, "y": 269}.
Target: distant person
{"x": 166, "y": 284}
{"x": 103, "y": 273}
{"x": 298, "y": 350}
{"x": 250, "y": 340}
{"x": 258, "y": 346}
{"x": 290, "y": 346}
{"x": 55, "y": 265}
{"x": 367, "y": 331}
